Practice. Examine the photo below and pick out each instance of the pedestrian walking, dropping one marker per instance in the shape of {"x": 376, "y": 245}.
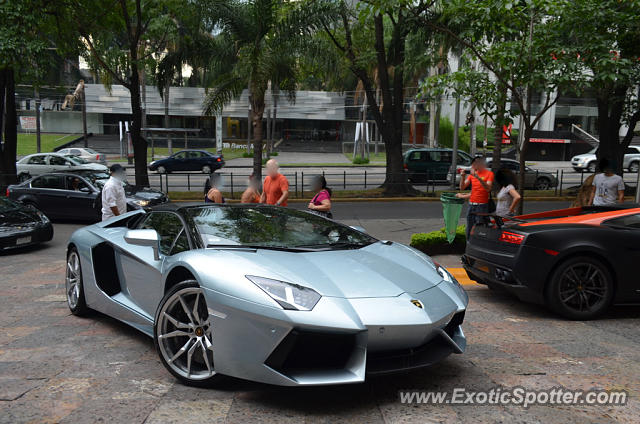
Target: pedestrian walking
{"x": 608, "y": 187}
{"x": 321, "y": 202}
{"x": 507, "y": 197}
{"x": 481, "y": 180}
{"x": 114, "y": 201}
{"x": 275, "y": 189}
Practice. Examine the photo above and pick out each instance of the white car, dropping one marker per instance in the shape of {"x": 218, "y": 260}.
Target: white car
{"x": 44, "y": 163}
{"x": 85, "y": 153}
{"x": 588, "y": 161}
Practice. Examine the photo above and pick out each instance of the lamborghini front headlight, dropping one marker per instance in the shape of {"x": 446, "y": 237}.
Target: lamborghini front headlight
{"x": 288, "y": 295}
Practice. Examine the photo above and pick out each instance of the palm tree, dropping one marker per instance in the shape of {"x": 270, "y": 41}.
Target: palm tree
{"x": 250, "y": 51}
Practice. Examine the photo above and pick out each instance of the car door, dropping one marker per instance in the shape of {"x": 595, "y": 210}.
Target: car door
{"x": 623, "y": 243}
{"x": 440, "y": 164}
{"x": 178, "y": 162}
{"x": 416, "y": 162}
{"x": 80, "y": 198}
{"x": 630, "y": 153}
{"x": 142, "y": 273}
{"x": 35, "y": 165}
{"x": 50, "y": 192}
{"x": 58, "y": 163}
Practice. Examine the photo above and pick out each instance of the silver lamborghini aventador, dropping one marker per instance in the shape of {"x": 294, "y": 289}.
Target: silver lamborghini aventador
{"x": 266, "y": 293}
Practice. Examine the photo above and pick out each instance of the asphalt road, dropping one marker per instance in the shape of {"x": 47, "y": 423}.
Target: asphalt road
{"x": 58, "y": 368}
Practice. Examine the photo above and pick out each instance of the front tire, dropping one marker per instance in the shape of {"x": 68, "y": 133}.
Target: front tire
{"x": 634, "y": 166}
{"x": 591, "y": 167}
{"x": 581, "y": 288}
{"x": 182, "y": 333}
{"x": 73, "y": 284}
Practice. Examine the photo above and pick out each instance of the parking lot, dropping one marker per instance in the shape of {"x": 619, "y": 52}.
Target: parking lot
{"x": 56, "y": 367}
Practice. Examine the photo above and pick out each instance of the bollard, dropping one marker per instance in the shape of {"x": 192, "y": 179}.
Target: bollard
{"x": 561, "y": 180}
{"x": 557, "y": 181}
{"x": 231, "y": 177}
{"x": 296, "y": 178}
{"x": 365, "y": 179}
{"x": 301, "y": 184}
{"x": 188, "y": 182}
{"x": 344, "y": 180}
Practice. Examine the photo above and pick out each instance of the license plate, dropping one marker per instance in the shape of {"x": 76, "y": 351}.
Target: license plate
{"x": 23, "y": 240}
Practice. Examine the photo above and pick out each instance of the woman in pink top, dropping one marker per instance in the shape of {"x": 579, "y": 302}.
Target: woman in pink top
{"x": 321, "y": 202}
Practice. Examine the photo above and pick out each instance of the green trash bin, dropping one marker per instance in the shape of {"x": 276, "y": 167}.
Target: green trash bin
{"x": 451, "y": 209}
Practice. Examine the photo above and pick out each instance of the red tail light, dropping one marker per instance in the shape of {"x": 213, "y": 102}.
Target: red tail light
{"x": 513, "y": 238}
{"x": 405, "y": 166}
{"x": 218, "y": 159}
{"x": 97, "y": 157}
{"x": 8, "y": 192}
{"x": 459, "y": 170}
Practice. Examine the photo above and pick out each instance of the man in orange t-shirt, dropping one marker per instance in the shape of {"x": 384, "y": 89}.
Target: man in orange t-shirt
{"x": 481, "y": 181}
{"x": 275, "y": 189}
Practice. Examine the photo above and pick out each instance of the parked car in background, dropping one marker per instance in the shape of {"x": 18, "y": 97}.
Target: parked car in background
{"x": 85, "y": 153}
{"x": 22, "y": 225}
{"x": 533, "y": 180}
{"x": 188, "y": 160}
{"x": 588, "y": 161}
{"x": 44, "y": 163}
{"x": 431, "y": 164}
{"x": 77, "y": 196}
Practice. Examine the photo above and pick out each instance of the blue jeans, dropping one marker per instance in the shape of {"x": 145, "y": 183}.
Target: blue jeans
{"x": 473, "y": 219}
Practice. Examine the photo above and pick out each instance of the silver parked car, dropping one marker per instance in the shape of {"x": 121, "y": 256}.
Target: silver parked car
{"x": 533, "y": 179}
{"x": 265, "y": 293}
{"x": 588, "y": 161}
{"x": 85, "y": 153}
{"x": 45, "y": 163}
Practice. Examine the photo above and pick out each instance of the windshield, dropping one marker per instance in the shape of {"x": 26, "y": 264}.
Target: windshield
{"x": 263, "y": 226}
{"x": 7, "y": 205}
{"x": 76, "y": 159}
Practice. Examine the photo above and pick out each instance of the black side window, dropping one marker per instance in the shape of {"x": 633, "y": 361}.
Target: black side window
{"x": 49, "y": 181}
{"x": 57, "y": 160}
{"x": 169, "y": 227}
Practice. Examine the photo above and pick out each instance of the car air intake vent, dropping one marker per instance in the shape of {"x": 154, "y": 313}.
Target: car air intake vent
{"x": 455, "y": 322}
{"x": 302, "y": 351}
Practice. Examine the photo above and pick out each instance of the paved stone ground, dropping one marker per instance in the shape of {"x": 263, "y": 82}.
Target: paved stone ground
{"x": 55, "y": 367}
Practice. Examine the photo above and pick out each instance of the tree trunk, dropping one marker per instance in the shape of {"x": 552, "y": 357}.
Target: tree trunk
{"x": 609, "y": 122}
{"x": 10, "y": 139}
{"x": 139, "y": 143}
{"x": 257, "y": 111}
{"x": 499, "y": 122}
{"x": 167, "y": 89}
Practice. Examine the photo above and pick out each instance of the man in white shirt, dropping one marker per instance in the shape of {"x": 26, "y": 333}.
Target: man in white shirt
{"x": 608, "y": 188}
{"x": 114, "y": 201}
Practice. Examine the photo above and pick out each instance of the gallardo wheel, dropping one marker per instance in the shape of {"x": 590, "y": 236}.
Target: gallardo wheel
{"x": 183, "y": 335}
{"x": 581, "y": 288}
{"x": 73, "y": 284}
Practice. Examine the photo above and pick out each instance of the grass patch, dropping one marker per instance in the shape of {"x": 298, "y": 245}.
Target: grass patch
{"x": 48, "y": 142}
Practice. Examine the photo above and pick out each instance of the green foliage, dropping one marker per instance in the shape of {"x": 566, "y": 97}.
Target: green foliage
{"x": 424, "y": 241}
{"x": 358, "y": 160}
{"x": 247, "y": 155}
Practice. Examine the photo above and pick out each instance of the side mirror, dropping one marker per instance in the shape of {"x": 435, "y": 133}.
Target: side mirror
{"x": 84, "y": 190}
{"x": 358, "y": 228}
{"x": 147, "y": 238}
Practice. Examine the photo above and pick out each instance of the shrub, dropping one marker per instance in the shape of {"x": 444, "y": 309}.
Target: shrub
{"x": 247, "y": 155}
{"x": 274, "y": 153}
{"x": 436, "y": 241}
{"x": 360, "y": 160}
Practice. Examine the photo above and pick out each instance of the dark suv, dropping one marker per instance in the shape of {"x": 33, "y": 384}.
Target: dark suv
{"x": 431, "y": 164}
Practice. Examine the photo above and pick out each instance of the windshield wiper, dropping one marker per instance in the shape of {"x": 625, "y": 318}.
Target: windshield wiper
{"x": 258, "y": 246}
{"x": 338, "y": 244}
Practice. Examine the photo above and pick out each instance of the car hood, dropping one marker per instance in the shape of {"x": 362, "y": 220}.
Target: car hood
{"x": 584, "y": 156}
{"x": 143, "y": 193}
{"x": 18, "y": 217}
{"x": 93, "y": 166}
{"x": 378, "y": 270}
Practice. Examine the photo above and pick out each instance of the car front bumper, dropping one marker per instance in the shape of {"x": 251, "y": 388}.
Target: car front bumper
{"x": 22, "y": 238}
{"x": 340, "y": 341}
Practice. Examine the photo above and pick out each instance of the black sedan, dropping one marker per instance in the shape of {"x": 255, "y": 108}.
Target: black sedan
{"x": 77, "y": 196}
{"x": 22, "y": 225}
{"x": 188, "y": 160}
{"x": 576, "y": 261}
